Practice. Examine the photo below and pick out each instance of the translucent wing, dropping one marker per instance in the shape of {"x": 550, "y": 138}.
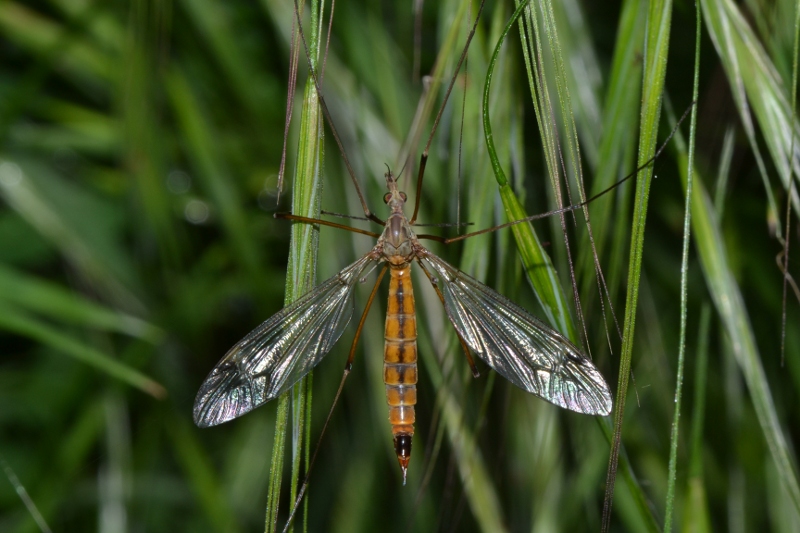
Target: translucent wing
{"x": 276, "y": 354}
{"x": 517, "y": 345}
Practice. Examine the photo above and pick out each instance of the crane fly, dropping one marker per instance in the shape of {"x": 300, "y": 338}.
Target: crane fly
{"x": 517, "y": 345}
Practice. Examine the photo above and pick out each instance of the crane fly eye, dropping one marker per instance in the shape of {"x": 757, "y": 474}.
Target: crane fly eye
{"x": 403, "y": 196}
{"x": 387, "y": 197}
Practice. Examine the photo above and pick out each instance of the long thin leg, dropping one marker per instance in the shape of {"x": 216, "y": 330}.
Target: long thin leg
{"x": 424, "y": 157}
{"x": 328, "y": 118}
{"x": 304, "y": 486}
{"x": 444, "y": 240}
{"x": 347, "y": 367}
{"x": 298, "y": 218}
{"x": 563, "y": 209}
{"x": 352, "y": 355}
{"x": 470, "y": 360}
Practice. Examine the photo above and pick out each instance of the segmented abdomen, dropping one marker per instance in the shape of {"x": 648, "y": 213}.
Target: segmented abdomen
{"x": 400, "y": 361}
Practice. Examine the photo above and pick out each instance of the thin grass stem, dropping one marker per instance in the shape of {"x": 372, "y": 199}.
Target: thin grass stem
{"x": 687, "y": 233}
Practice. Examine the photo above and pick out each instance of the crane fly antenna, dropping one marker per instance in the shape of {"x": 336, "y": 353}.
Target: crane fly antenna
{"x": 324, "y": 106}
{"x": 423, "y": 160}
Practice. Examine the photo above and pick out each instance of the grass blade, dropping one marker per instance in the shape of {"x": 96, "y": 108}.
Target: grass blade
{"x": 301, "y": 273}
{"x": 197, "y": 466}
{"x": 538, "y": 266}
{"x": 696, "y": 518}
{"x": 68, "y": 216}
{"x": 655, "y": 65}
{"x": 198, "y": 131}
{"x": 85, "y": 65}
{"x": 19, "y": 488}
{"x": 479, "y": 487}
{"x": 756, "y": 87}
{"x": 12, "y": 319}
{"x": 55, "y": 301}
{"x": 144, "y": 146}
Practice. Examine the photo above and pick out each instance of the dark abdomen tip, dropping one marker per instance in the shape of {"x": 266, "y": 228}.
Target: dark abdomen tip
{"x": 402, "y": 447}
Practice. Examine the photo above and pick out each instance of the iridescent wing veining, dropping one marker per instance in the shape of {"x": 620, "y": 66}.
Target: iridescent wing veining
{"x": 276, "y": 354}
{"x": 517, "y": 345}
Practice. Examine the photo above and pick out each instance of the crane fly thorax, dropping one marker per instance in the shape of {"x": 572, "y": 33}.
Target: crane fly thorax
{"x": 397, "y": 240}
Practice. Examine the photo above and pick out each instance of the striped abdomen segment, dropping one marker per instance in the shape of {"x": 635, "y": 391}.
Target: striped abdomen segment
{"x": 400, "y": 362}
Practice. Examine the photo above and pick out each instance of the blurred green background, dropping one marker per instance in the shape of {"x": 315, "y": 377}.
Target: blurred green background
{"x": 140, "y": 145}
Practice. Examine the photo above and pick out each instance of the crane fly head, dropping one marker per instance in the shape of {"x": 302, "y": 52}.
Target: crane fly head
{"x": 396, "y": 240}
{"x": 394, "y": 199}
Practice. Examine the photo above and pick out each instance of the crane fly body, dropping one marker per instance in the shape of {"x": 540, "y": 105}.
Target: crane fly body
{"x": 520, "y": 347}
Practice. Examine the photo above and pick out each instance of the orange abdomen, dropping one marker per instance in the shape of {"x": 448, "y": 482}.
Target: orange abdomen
{"x": 400, "y": 362}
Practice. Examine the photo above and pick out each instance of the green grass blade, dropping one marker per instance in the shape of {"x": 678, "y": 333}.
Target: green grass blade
{"x": 479, "y": 487}
{"x": 77, "y": 445}
{"x": 632, "y": 483}
{"x": 85, "y": 65}
{"x": 474, "y": 472}
{"x": 276, "y": 464}
{"x": 538, "y": 266}
{"x": 584, "y": 74}
{"x": 144, "y": 145}
{"x": 15, "y": 320}
{"x": 301, "y": 273}
{"x": 53, "y": 300}
{"x": 24, "y": 496}
{"x": 243, "y": 73}
{"x": 655, "y": 64}
{"x": 306, "y": 201}
{"x": 756, "y": 88}
{"x": 82, "y": 228}
{"x": 696, "y": 517}
{"x": 197, "y": 466}
{"x": 198, "y": 131}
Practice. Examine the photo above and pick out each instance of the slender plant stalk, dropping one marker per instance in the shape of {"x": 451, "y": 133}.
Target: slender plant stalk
{"x": 787, "y": 229}
{"x": 307, "y": 188}
{"x": 687, "y": 232}
{"x": 22, "y": 492}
